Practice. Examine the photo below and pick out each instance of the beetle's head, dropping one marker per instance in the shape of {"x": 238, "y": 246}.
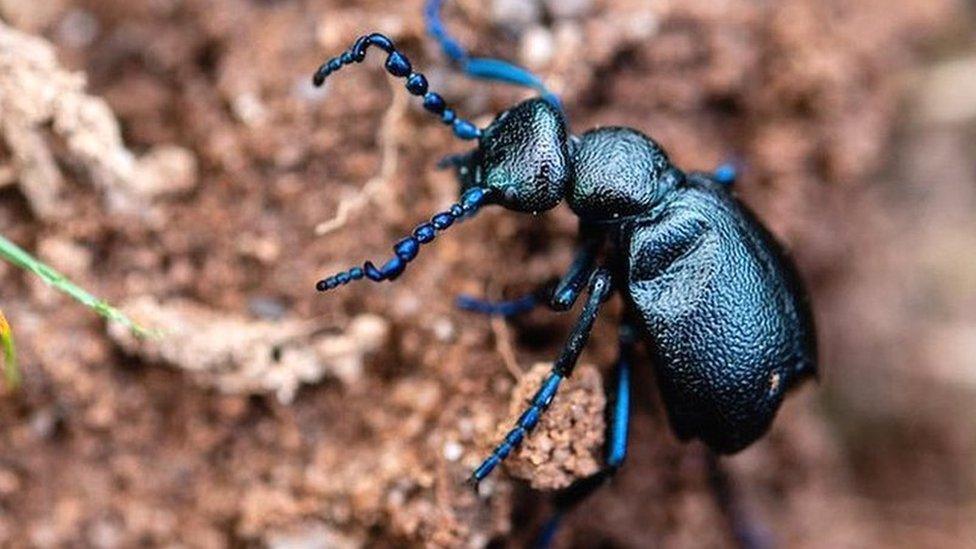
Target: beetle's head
{"x": 523, "y": 158}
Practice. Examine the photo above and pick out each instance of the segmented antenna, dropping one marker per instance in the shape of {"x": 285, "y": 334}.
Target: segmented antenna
{"x": 398, "y": 65}
{"x": 407, "y": 249}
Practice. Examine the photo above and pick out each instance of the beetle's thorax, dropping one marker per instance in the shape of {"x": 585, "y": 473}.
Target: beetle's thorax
{"x": 619, "y": 173}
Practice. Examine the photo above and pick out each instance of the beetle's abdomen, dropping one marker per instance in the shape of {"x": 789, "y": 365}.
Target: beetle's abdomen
{"x": 723, "y": 314}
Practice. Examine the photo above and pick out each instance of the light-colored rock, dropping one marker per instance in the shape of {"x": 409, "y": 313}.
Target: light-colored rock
{"x": 39, "y": 97}
{"x": 515, "y": 13}
{"x": 238, "y": 355}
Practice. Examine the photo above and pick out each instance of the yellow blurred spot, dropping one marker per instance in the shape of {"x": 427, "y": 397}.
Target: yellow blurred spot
{"x": 10, "y": 371}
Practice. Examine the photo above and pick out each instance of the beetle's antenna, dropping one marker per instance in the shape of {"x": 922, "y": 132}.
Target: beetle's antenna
{"x": 407, "y": 249}
{"x": 484, "y": 68}
{"x": 398, "y": 65}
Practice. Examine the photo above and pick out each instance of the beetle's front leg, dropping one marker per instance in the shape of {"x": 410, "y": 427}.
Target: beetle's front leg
{"x": 599, "y": 290}
{"x": 618, "y": 429}
{"x": 559, "y": 295}
{"x": 509, "y": 307}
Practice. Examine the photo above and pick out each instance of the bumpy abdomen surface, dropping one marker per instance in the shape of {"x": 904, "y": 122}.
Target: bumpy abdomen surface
{"x": 723, "y": 314}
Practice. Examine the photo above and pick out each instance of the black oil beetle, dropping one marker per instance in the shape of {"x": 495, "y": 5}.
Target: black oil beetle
{"x": 707, "y": 289}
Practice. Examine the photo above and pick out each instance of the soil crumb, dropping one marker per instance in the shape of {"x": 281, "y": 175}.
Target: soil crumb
{"x": 568, "y": 442}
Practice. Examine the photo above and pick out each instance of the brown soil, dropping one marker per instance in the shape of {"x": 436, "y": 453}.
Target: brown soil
{"x": 243, "y": 442}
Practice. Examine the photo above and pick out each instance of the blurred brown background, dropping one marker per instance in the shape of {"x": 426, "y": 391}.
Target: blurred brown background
{"x": 176, "y": 149}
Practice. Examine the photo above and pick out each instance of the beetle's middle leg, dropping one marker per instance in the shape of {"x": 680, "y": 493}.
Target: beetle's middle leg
{"x": 599, "y": 290}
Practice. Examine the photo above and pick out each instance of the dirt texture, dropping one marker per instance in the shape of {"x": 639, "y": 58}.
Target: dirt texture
{"x": 569, "y": 443}
{"x": 173, "y": 156}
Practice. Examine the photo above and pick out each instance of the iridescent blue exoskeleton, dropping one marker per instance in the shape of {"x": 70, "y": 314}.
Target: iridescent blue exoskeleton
{"x": 709, "y": 292}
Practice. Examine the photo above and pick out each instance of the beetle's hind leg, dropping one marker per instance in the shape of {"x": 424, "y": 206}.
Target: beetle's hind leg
{"x": 618, "y": 428}
{"x": 749, "y": 533}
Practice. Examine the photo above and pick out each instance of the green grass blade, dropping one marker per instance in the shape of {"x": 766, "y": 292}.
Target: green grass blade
{"x": 10, "y": 370}
{"x": 19, "y": 257}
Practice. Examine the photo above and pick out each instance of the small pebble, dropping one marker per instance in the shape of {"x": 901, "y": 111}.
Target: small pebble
{"x": 443, "y": 330}
{"x": 517, "y": 13}
{"x": 396, "y": 498}
{"x": 453, "y": 450}
{"x": 569, "y": 9}
{"x": 304, "y": 90}
{"x": 537, "y": 47}
{"x": 44, "y": 423}
{"x": 249, "y": 109}
{"x": 266, "y": 307}
{"x": 77, "y": 29}
{"x": 465, "y": 427}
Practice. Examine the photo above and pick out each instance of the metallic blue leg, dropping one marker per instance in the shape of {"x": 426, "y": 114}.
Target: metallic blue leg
{"x": 619, "y": 424}
{"x": 726, "y": 173}
{"x": 748, "y": 533}
{"x": 480, "y": 67}
{"x": 435, "y": 28}
{"x": 512, "y": 307}
{"x": 599, "y": 290}
{"x": 570, "y": 286}
{"x": 618, "y": 427}
{"x": 503, "y": 71}
{"x": 397, "y": 64}
{"x": 559, "y": 296}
